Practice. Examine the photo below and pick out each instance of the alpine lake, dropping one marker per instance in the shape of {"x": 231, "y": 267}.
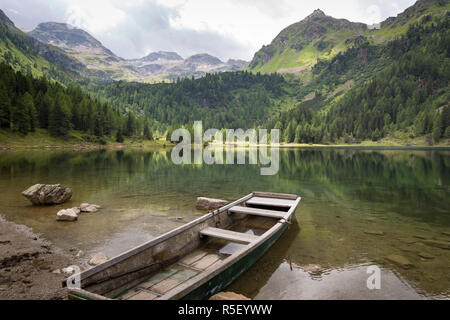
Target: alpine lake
{"x": 360, "y": 208}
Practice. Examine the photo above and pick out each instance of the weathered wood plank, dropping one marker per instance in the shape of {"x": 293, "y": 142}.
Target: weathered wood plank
{"x": 193, "y": 257}
{"x": 258, "y": 212}
{"x": 229, "y": 235}
{"x": 275, "y": 195}
{"x": 158, "y": 278}
{"x": 173, "y": 281}
{"x": 271, "y": 202}
{"x": 143, "y": 295}
{"x": 206, "y": 261}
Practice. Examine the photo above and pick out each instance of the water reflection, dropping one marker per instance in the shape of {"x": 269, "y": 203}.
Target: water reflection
{"x": 358, "y": 207}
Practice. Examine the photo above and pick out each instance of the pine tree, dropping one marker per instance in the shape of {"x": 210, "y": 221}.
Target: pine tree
{"x": 119, "y": 137}
{"x": 28, "y": 103}
{"x": 20, "y": 115}
{"x": 130, "y": 127}
{"x": 59, "y": 121}
{"x": 5, "y": 107}
{"x": 147, "y": 133}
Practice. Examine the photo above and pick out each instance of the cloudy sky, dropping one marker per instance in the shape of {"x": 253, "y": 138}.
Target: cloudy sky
{"x": 224, "y": 28}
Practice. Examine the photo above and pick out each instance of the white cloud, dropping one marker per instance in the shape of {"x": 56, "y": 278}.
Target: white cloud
{"x": 225, "y": 28}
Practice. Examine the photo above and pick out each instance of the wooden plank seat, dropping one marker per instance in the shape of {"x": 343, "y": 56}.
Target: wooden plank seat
{"x": 237, "y": 237}
{"x": 258, "y": 212}
{"x": 271, "y": 202}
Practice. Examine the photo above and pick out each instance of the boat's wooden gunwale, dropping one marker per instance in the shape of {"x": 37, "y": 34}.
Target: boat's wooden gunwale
{"x": 275, "y": 195}
{"x": 158, "y": 240}
{"x": 192, "y": 284}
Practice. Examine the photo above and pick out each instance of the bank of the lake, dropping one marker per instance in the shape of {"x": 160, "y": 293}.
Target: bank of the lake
{"x": 41, "y": 139}
{"x": 29, "y": 264}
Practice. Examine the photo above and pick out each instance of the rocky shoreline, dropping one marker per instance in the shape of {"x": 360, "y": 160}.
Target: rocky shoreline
{"x": 27, "y": 264}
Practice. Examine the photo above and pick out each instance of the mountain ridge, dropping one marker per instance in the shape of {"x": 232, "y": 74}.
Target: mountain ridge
{"x": 298, "y": 47}
{"x": 104, "y": 64}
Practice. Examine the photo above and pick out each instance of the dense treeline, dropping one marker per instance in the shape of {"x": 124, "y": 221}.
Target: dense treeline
{"x": 224, "y": 100}
{"x": 410, "y": 95}
{"x": 27, "y": 103}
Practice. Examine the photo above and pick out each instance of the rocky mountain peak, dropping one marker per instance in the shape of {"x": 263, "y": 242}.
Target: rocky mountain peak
{"x": 316, "y": 14}
{"x": 4, "y": 18}
{"x": 63, "y": 33}
{"x": 162, "y": 55}
{"x": 203, "y": 58}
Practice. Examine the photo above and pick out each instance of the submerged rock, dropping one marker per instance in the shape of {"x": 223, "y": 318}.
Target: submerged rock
{"x": 229, "y": 296}
{"x": 375, "y": 233}
{"x": 400, "y": 261}
{"x": 210, "y": 204}
{"x": 426, "y": 256}
{"x": 68, "y": 214}
{"x": 86, "y": 207}
{"x": 437, "y": 244}
{"x": 312, "y": 268}
{"x": 46, "y": 194}
{"x": 98, "y": 259}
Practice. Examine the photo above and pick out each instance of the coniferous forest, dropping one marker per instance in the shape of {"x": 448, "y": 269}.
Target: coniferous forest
{"x": 27, "y": 103}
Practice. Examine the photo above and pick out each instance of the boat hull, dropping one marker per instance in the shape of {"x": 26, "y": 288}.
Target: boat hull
{"x": 226, "y": 277}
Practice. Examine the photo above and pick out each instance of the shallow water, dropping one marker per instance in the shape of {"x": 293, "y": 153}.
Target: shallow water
{"x": 347, "y": 195}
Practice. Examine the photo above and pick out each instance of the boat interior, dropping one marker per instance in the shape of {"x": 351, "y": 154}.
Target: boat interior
{"x": 163, "y": 267}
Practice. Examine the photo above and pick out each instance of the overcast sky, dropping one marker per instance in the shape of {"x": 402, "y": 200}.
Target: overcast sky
{"x": 224, "y": 28}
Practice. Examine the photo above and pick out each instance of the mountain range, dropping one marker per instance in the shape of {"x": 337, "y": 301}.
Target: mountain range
{"x": 321, "y": 80}
{"x": 104, "y": 64}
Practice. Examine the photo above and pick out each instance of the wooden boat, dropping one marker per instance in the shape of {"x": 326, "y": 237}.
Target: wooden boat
{"x": 196, "y": 260}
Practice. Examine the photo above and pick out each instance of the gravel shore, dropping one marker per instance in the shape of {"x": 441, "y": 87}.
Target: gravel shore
{"x": 27, "y": 262}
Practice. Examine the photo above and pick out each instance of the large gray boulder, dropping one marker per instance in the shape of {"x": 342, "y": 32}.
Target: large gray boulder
{"x": 209, "y": 204}
{"x": 47, "y": 194}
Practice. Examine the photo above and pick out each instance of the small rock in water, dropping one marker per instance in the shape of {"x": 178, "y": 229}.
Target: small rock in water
{"x": 425, "y": 255}
{"x": 408, "y": 249}
{"x": 68, "y": 270}
{"x": 446, "y": 234}
{"x": 421, "y": 237}
{"x": 68, "y": 214}
{"x": 407, "y": 240}
{"x": 438, "y": 244}
{"x": 209, "y": 204}
{"x": 46, "y": 194}
{"x": 312, "y": 268}
{"x": 90, "y": 208}
{"x": 98, "y": 259}
{"x": 57, "y": 271}
{"x": 229, "y": 296}
{"x": 400, "y": 261}
{"x": 375, "y": 233}
{"x": 79, "y": 254}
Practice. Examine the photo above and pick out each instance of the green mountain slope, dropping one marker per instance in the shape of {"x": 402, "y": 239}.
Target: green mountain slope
{"x": 399, "y": 89}
{"x": 29, "y": 55}
{"x": 301, "y": 44}
{"x": 319, "y": 37}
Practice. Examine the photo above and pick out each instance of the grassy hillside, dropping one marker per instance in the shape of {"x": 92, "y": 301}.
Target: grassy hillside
{"x": 302, "y": 44}
{"x": 319, "y": 37}
{"x": 27, "y": 55}
{"x": 397, "y": 90}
